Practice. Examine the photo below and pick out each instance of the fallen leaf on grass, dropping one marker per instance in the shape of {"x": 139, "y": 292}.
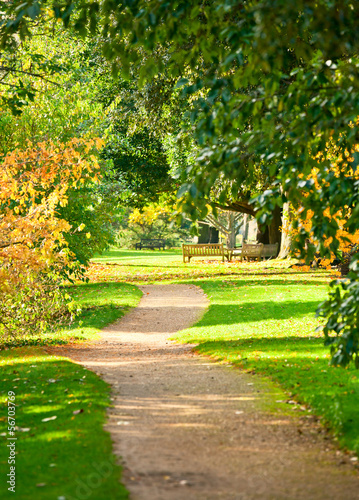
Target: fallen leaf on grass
{"x": 49, "y": 418}
{"x": 76, "y": 412}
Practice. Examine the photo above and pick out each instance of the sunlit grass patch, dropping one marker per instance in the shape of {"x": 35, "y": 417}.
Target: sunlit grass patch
{"x": 61, "y": 446}
{"x": 268, "y": 327}
{"x": 100, "y": 304}
{"x": 154, "y": 266}
{"x": 69, "y": 455}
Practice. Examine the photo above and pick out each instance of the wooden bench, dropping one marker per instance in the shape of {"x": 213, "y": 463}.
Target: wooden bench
{"x": 270, "y": 250}
{"x": 151, "y": 243}
{"x": 205, "y": 250}
{"x": 259, "y": 251}
{"x": 252, "y": 251}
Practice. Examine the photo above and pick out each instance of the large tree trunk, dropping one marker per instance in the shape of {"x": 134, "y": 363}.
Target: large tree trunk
{"x": 263, "y": 234}
{"x": 231, "y": 236}
{"x": 275, "y": 227}
{"x": 286, "y": 242}
{"x": 207, "y": 234}
{"x": 272, "y": 233}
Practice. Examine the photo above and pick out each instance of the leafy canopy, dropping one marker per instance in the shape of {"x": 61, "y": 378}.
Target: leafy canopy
{"x": 273, "y": 82}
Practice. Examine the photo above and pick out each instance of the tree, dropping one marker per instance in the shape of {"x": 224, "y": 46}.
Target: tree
{"x": 273, "y": 84}
{"x": 279, "y": 82}
{"x": 227, "y": 223}
{"x": 58, "y": 113}
{"x": 33, "y": 249}
{"x": 139, "y": 164}
{"x": 155, "y": 220}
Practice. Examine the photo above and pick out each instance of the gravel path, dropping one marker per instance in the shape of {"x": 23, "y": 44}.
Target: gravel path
{"x": 187, "y": 428}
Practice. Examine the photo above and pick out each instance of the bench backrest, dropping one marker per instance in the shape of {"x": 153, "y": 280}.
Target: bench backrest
{"x": 203, "y": 249}
{"x": 270, "y": 250}
{"x": 152, "y": 240}
{"x": 252, "y": 249}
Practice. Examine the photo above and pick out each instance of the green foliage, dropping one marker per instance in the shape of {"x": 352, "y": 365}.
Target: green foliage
{"x": 91, "y": 211}
{"x": 139, "y": 164}
{"x": 342, "y": 328}
{"x": 273, "y": 86}
{"x": 61, "y": 110}
{"x": 32, "y": 305}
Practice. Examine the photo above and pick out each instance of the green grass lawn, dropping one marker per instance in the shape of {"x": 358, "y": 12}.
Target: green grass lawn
{"x": 268, "y": 327}
{"x": 152, "y": 266}
{"x": 69, "y": 456}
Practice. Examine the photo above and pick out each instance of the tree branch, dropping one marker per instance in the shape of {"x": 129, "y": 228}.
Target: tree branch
{"x": 238, "y": 206}
{"x": 30, "y": 73}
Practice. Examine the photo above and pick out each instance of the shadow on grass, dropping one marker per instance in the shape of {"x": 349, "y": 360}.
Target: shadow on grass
{"x": 83, "y": 288}
{"x": 229, "y": 314}
{"x": 70, "y": 446}
{"x": 137, "y": 265}
{"x": 229, "y": 282}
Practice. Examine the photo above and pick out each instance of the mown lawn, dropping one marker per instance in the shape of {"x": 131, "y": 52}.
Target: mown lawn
{"x": 268, "y": 326}
{"x": 70, "y": 455}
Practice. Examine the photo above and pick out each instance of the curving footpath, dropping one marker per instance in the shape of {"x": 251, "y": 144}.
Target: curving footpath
{"x": 190, "y": 429}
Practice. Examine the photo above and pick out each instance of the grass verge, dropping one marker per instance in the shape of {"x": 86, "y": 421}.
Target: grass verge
{"x": 267, "y": 325}
{"x": 100, "y": 303}
{"x": 68, "y": 457}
